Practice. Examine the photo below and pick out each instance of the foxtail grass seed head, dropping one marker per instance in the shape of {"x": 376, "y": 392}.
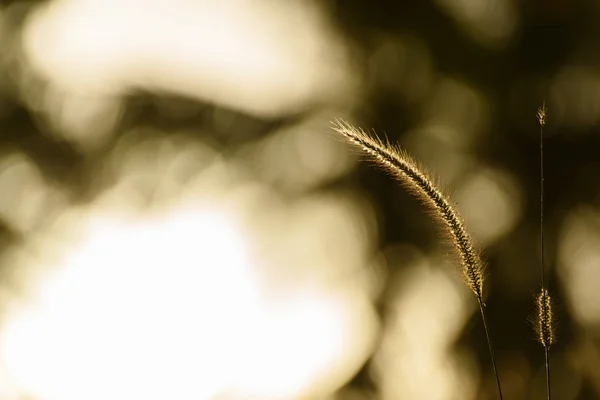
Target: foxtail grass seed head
{"x": 545, "y": 320}
{"x": 541, "y": 114}
{"x": 399, "y": 164}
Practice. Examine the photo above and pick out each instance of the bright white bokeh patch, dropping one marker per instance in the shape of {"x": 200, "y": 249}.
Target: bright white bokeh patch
{"x": 260, "y": 56}
{"x": 137, "y": 301}
{"x": 207, "y": 292}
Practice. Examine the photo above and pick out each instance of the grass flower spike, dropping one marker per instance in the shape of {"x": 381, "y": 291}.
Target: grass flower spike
{"x": 400, "y": 165}
{"x": 545, "y": 326}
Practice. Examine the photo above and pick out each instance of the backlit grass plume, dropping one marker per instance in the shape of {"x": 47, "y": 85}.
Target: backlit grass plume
{"x": 399, "y": 164}
{"x": 402, "y": 167}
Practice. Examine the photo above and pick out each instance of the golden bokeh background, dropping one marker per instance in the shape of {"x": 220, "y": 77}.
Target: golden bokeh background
{"x": 178, "y": 220}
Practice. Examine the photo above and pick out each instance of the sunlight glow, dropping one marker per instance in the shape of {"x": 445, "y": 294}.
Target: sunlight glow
{"x": 240, "y": 54}
{"x": 129, "y": 289}
{"x": 176, "y": 302}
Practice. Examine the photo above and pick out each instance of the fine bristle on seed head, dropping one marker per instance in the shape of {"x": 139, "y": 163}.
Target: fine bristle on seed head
{"x": 415, "y": 179}
{"x": 541, "y": 114}
{"x": 545, "y": 319}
